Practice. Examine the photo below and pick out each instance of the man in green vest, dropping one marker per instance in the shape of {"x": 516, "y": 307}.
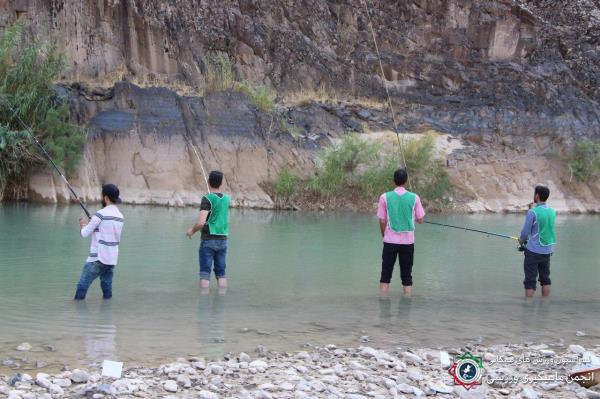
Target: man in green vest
{"x": 214, "y": 223}
{"x": 538, "y": 234}
{"x": 397, "y": 212}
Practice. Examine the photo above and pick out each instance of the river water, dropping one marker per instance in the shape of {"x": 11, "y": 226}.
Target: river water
{"x": 295, "y": 278}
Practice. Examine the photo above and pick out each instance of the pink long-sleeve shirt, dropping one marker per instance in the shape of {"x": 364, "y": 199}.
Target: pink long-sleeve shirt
{"x": 390, "y": 236}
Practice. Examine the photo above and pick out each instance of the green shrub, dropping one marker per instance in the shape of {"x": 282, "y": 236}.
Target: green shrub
{"x": 27, "y": 72}
{"x": 585, "y": 162}
{"x": 368, "y": 168}
{"x": 261, "y": 96}
{"x": 338, "y": 164}
{"x": 219, "y": 73}
{"x": 286, "y": 184}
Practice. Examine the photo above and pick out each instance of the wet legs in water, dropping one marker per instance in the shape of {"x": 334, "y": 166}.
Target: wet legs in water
{"x": 90, "y": 272}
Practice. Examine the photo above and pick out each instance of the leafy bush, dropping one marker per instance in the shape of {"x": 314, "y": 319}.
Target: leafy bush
{"x": 339, "y": 163}
{"x": 585, "y": 162}
{"x": 368, "y": 168}
{"x": 26, "y": 92}
{"x": 286, "y": 184}
{"x": 261, "y": 96}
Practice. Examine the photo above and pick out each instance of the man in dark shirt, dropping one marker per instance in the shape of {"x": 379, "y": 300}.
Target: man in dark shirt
{"x": 213, "y": 221}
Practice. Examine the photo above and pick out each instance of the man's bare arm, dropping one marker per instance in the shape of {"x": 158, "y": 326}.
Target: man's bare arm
{"x": 199, "y": 224}
{"x": 382, "y": 224}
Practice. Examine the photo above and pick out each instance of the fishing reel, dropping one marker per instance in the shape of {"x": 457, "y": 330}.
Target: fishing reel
{"x": 522, "y": 247}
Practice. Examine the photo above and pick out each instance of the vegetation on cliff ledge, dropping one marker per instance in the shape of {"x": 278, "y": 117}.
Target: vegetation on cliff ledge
{"x": 27, "y": 73}
{"x": 357, "y": 171}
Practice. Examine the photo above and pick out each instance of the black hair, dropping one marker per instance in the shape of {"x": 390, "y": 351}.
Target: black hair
{"x": 543, "y": 192}
{"x": 400, "y": 177}
{"x": 215, "y": 179}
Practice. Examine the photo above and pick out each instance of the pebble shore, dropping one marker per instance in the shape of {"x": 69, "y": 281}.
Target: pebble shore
{"x": 323, "y": 372}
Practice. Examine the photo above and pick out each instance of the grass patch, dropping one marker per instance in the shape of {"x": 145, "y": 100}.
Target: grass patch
{"x": 584, "y": 163}
{"x": 286, "y": 184}
{"x": 260, "y": 95}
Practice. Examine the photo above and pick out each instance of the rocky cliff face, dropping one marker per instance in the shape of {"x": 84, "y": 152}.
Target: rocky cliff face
{"x": 511, "y": 79}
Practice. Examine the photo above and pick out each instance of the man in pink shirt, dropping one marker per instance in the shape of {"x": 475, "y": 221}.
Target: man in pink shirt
{"x": 397, "y": 212}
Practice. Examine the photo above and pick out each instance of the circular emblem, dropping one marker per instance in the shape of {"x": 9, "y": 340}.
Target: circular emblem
{"x": 467, "y": 370}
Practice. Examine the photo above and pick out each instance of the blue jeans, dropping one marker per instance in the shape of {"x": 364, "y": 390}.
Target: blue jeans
{"x": 212, "y": 251}
{"x": 90, "y": 272}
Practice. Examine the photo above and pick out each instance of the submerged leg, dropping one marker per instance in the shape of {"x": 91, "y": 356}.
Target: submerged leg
{"x": 388, "y": 260}
{"x": 221, "y": 264}
{"x": 88, "y": 275}
{"x": 546, "y": 290}
{"x": 206, "y": 255}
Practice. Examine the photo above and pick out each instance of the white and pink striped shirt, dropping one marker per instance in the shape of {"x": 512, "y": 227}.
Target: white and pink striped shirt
{"x": 105, "y": 228}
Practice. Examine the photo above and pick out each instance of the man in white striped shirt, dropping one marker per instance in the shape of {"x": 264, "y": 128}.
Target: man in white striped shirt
{"x": 105, "y": 228}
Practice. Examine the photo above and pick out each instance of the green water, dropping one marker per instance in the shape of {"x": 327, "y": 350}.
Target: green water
{"x": 295, "y": 278}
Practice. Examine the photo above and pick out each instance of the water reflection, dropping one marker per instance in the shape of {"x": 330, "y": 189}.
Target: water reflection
{"x": 98, "y": 331}
{"x": 211, "y": 322}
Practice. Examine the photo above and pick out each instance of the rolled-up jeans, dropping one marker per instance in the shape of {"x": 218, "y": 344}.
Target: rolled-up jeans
{"x": 212, "y": 252}
{"x": 91, "y": 271}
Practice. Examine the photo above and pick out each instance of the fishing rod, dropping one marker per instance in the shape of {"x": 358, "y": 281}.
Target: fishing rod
{"x": 36, "y": 141}
{"x": 474, "y": 230}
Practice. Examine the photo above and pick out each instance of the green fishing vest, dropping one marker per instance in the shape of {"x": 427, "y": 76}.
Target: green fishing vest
{"x": 400, "y": 211}
{"x": 218, "y": 221}
{"x": 545, "y": 220}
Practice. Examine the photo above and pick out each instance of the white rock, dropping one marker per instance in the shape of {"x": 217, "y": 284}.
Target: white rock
{"x": 549, "y": 386}
{"x": 56, "y": 390}
{"x": 412, "y": 358}
{"x": 80, "y": 376}
{"x": 440, "y": 387}
{"x": 62, "y": 382}
{"x": 415, "y": 374}
{"x": 207, "y": 395}
{"x": 170, "y": 386}
{"x": 580, "y": 334}
{"x": 286, "y": 386}
{"x": 300, "y": 395}
{"x": 576, "y": 349}
{"x": 24, "y": 347}
{"x": 43, "y": 382}
{"x": 547, "y": 353}
{"x": 184, "y": 381}
{"x": 318, "y": 386}
{"x": 368, "y": 352}
{"x": 262, "y": 395}
{"x": 303, "y": 356}
{"x": 216, "y": 369}
{"x": 359, "y": 375}
{"x": 14, "y": 395}
{"x": 244, "y": 357}
{"x": 405, "y": 388}
{"x": 330, "y": 379}
{"x": 260, "y": 365}
{"x": 267, "y": 386}
{"x": 389, "y": 384}
{"x": 530, "y": 393}
{"x": 200, "y": 365}
{"x": 354, "y": 365}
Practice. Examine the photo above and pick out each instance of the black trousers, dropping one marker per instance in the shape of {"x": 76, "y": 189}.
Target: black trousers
{"x": 534, "y": 265}
{"x": 405, "y": 255}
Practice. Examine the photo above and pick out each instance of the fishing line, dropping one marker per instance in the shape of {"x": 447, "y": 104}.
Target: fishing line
{"x": 474, "y": 230}
{"x": 187, "y": 139}
{"x": 36, "y": 141}
{"x": 387, "y": 92}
